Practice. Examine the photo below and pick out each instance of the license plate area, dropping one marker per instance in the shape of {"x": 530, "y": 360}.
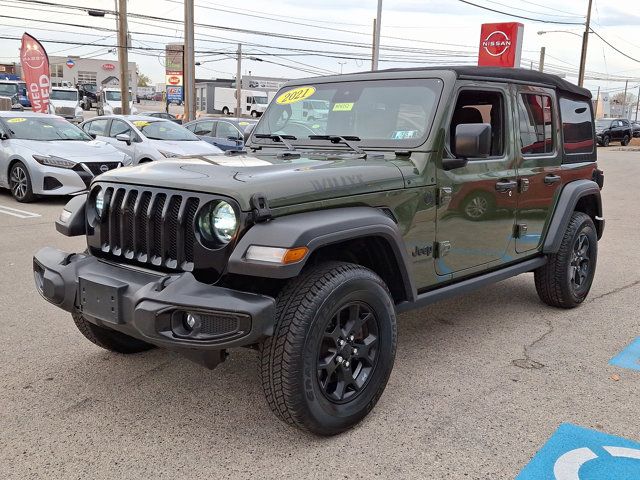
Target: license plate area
{"x": 101, "y": 297}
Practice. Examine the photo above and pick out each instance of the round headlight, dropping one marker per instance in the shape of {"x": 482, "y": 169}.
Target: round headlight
{"x": 218, "y": 222}
{"x": 100, "y": 202}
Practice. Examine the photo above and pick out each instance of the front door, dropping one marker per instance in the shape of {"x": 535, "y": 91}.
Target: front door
{"x": 477, "y": 202}
{"x": 539, "y": 167}
{"x": 119, "y": 127}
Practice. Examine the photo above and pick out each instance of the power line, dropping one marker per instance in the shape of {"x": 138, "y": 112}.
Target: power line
{"x": 519, "y": 16}
{"x": 615, "y": 48}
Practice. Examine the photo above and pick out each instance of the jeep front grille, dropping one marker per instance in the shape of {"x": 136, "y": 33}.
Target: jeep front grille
{"x": 148, "y": 226}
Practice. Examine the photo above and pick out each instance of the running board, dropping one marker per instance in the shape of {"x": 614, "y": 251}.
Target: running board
{"x": 471, "y": 284}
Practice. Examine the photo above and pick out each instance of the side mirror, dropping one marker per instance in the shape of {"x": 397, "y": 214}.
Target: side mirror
{"x": 472, "y": 140}
{"x": 92, "y": 135}
{"x": 235, "y": 138}
{"x": 123, "y": 137}
{"x": 4, "y": 136}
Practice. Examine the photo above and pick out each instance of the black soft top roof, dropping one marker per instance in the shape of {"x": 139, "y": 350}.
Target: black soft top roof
{"x": 509, "y": 74}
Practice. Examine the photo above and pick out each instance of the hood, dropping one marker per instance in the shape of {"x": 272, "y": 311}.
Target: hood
{"x": 78, "y": 151}
{"x": 283, "y": 181}
{"x": 193, "y": 147}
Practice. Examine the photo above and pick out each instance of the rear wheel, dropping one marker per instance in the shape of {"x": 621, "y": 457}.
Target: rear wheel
{"x": 109, "y": 339}
{"x": 20, "y": 183}
{"x": 254, "y": 114}
{"x": 625, "y": 141}
{"x": 225, "y": 111}
{"x": 566, "y": 278}
{"x": 605, "y": 141}
{"x": 333, "y": 348}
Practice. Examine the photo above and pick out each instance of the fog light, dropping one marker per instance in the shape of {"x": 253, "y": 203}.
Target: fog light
{"x": 190, "y": 321}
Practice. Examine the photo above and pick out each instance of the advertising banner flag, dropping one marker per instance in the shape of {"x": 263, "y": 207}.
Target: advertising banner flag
{"x": 35, "y": 70}
{"x": 500, "y": 44}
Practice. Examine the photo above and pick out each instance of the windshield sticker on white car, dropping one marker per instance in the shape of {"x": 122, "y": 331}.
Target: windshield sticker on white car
{"x": 343, "y": 107}
{"x": 295, "y": 95}
{"x": 16, "y": 120}
{"x": 141, "y": 123}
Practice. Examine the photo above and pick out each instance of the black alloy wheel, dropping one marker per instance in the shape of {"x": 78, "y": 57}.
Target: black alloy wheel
{"x": 348, "y": 352}
{"x": 605, "y": 141}
{"x": 580, "y": 264}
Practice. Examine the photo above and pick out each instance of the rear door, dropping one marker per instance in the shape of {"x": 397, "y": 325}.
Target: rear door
{"x": 539, "y": 162}
{"x": 477, "y": 202}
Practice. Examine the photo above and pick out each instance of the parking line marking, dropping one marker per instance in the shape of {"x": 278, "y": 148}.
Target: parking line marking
{"x": 18, "y": 213}
{"x": 629, "y": 357}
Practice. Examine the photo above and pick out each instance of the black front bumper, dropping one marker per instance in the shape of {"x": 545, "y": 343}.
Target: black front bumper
{"x": 151, "y": 307}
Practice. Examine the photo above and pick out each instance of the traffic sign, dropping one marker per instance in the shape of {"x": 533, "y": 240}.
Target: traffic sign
{"x": 577, "y": 453}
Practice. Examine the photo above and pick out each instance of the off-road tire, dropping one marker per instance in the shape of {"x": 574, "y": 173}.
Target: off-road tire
{"x": 109, "y": 339}
{"x": 20, "y": 183}
{"x": 553, "y": 280}
{"x": 625, "y": 141}
{"x": 605, "y": 141}
{"x": 289, "y": 362}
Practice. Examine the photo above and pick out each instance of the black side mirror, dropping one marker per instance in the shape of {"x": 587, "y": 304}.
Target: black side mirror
{"x": 92, "y": 135}
{"x": 472, "y": 140}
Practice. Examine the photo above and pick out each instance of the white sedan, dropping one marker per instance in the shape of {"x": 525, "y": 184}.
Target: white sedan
{"x": 146, "y": 139}
{"x": 43, "y": 154}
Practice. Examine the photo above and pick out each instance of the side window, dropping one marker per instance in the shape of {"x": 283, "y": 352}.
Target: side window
{"x": 475, "y": 106}
{"x": 118, "y": 127}
{"x": 577, "y": 126}
{"x": 536, "y": 124}
{"x": 204, "y": 128}
{"x": 226, "y": 130}
{"x": 191, "y": 127}
{"x": 97, "y": 127}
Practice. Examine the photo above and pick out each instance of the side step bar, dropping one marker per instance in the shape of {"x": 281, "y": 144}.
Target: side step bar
{"x": 471, "y": 284}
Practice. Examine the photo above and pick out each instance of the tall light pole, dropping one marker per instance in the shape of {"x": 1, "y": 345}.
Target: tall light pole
{"x": 123, "y": 55}
{"x": 189, "y": 79}
{"x": 376, "y": 38}
{"x": 585, "y": 40}
{"x": 239, "y": 82}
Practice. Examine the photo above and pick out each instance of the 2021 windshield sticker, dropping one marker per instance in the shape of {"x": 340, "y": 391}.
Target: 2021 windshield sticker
{"x": 295, "y": 95}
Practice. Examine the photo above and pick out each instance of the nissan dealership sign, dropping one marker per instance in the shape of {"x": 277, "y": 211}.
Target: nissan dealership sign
{"x": 500, "y": 44}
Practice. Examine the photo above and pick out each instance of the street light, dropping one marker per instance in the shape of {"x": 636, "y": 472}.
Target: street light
{"x": 542, "y": 32}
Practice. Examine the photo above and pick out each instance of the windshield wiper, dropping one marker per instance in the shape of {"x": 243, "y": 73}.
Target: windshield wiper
{"x": 346, "y": 140}
{"x": 278, "y": 138}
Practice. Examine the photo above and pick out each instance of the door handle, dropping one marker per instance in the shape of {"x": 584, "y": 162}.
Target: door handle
{"x": 550, "y": 179}
{"x": 506, "y": 185}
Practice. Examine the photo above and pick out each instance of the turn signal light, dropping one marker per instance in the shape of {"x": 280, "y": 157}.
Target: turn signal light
{"x": 294, "y": 255}
{"x": 279, "y": 255}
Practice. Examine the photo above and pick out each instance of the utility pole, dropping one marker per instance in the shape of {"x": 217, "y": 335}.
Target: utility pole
{"x": 341, "y": 65}
{"x": 239, "y": 82}
{"x": 597, "y": 102}
{"x": 624, "y": 101}
{"x": 541, "y": 63}
{"x": 189, "y": 79}
{"x": 373, "y": 47}
{"x": 376, "y": 39}
{"x": 585, "y": 40}
{"x": 123, "y": 56}
{"x": 637, "y": 104}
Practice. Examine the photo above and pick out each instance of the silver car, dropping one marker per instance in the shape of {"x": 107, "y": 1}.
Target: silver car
{"x": 44, "y": 154}
{"x": 146, "y": 138}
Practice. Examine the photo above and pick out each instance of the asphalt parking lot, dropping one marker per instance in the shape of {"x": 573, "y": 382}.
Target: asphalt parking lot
{"x": 480, "y": 383}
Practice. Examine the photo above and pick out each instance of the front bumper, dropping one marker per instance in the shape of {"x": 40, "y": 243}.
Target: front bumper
{"x": 151, "y": 306}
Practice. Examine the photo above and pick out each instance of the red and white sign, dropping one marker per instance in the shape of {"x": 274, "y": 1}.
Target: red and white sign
{"x": 174, "y": 80}
{"x": 500, "y": 44}
{"x": 108, "y": 67}
{"x": 35, "y": 70}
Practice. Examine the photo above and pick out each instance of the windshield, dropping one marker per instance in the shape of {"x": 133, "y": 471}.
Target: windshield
{"x": 164, "y": 130}
{"x": 65, "y": 95}
{"x": 394, "y": 112}
{"x": 600, "y": 124}
{"x": 261, "y": 100}
{"x": 8, "y": 89}
{"x": 113, "y": 96}
{"x": 43, "y": 128}
{"x": 89, "y": 87}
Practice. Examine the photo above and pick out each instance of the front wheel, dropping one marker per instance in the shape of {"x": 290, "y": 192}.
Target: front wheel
{"x": 605, "y": 141}
{"x": 254, "y": 114}
{"x": 333, "y": 348}
{"x": 225, "y": 111}
{"x": 625, "y": 141}
{"x": 565, "y": 280}
{"x": 20, "y": 183}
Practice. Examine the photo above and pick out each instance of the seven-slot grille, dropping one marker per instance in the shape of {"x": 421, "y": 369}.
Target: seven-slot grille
{"x": 148, "y": 226}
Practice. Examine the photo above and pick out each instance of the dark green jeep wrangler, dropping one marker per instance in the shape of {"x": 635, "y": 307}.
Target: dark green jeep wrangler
{"x": 413, "y": 186}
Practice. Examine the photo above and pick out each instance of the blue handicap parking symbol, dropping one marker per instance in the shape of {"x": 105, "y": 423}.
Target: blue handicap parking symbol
{"x": 576, "y": 453}
{"x": 629, "y": 357}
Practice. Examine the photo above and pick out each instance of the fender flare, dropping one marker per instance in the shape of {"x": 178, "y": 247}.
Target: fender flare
{"x": 565, "y": 207}
{"x": 315, "y": 230}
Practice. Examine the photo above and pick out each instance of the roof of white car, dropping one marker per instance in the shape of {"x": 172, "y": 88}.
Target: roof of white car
{"x": 135, "y": 118}
{"x": 68, "y": 89}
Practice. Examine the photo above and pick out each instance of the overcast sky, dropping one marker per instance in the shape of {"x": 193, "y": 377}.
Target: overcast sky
{"x": 452, "y": 27}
